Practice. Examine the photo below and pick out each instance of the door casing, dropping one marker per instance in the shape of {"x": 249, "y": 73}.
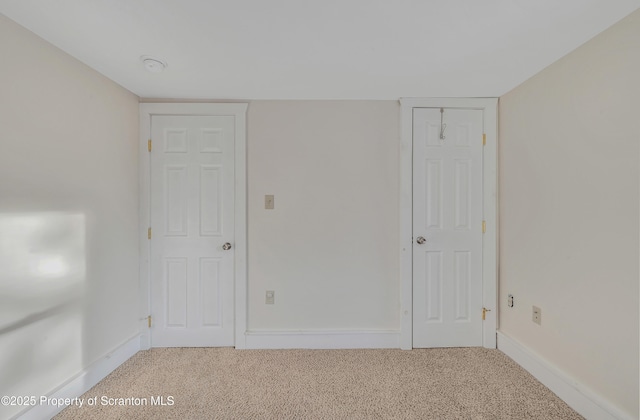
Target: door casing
{"x": 238, "y": 111}
{"x": 490, "y": 211}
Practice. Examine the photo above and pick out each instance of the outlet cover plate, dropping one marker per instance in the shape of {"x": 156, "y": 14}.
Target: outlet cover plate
{"x": 269, "y": 202}
{"x": 536, "y": 315}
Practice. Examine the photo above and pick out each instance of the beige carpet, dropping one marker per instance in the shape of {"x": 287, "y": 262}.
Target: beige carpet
{"x": 223, "y": 383}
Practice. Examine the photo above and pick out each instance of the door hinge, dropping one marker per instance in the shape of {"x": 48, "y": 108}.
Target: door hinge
{"x": 484, "y": 139}
{"x": 149, "y": 233}
{"x": 149, "y": 144}
{"x": 484, "y": 226}
{"x": 484, "y": 313}
{"x": 149, "y": 321}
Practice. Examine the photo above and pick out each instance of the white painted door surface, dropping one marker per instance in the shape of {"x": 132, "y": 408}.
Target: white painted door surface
{"x": 447, "y": 213}
{"x": 192, "y": 199}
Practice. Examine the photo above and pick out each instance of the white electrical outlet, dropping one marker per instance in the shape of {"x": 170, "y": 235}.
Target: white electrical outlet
{"x": 536, "y": 315}
{"x": 269, "y": 202}
{"x": 270, "y": 298}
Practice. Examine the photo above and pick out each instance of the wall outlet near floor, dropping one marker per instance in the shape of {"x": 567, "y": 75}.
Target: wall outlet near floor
{"x": 536, "y": 315}
{"x": 269, "y": 202}
{"x": 270, "y": 297}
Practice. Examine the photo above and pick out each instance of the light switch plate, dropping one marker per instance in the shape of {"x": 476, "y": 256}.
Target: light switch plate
{"x": 268, "y": 202}
{"x": 270, "y": 297}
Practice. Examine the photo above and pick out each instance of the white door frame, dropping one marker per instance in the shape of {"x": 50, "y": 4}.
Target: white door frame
{"x": 490, "y": 211}
{"x": 237, "y": 110}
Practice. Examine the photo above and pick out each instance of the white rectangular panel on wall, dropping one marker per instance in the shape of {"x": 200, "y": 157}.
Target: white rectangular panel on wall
{"x": 433, "y": 193}
{"x": 210, "y": 286}
{"x": 175, "y": 141}
{"x": 176, "y": 204}
{"x": 176, "y": 281}
{"x": 462, "y": 182}
{"x": 210, "y": 200}
{"x": 433, "y": 298}
{"x": 462, "y": 137}
{"x": 211, "y": 141}
{"x": 432, "y": 138}
{"x": 462, "y": 276}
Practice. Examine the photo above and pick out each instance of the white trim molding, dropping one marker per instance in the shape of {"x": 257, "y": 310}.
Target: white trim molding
{"x": 84, "y": 381}
{"x": 239, "y": 112}
{"x": 586, "y": 402}
{"x": 323, "y": 339}
{"x": 489, "y": 106}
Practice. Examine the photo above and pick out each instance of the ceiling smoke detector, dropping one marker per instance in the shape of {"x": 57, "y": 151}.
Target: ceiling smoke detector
{"x": 152, "y": 64}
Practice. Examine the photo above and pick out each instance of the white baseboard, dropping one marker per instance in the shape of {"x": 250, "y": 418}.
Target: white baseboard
{"x": 322, "y": 339}
{"x": 85, "y": 380}
{"x": 579, "y": 397}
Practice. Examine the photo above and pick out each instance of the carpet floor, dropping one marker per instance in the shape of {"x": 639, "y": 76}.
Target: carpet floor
{"x": 223, "y": 383}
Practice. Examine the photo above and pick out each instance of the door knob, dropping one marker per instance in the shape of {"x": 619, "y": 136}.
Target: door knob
{"x": 226, "y": 246}
{"x": 421, "y": 240}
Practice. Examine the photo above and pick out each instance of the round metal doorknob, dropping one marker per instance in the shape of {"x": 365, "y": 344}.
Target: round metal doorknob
{"x": 421, "y": 240}
{"x": 226, "y": 246}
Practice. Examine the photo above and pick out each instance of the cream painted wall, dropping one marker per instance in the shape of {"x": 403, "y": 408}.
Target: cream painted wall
{"x": 68, "y": 215}
{"x": 329, "y": 248}
{"x": 569, "y": 147}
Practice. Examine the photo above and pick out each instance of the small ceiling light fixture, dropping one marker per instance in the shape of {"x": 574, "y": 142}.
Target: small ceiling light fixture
{"x": 153, "y": 64}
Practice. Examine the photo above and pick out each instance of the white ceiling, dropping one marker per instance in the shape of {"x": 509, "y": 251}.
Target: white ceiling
{"x": 322, "y": 49}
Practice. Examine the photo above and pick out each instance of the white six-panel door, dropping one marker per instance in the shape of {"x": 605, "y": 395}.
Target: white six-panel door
{"x": 192, "y": 211}
{"x": 447, "y": 213}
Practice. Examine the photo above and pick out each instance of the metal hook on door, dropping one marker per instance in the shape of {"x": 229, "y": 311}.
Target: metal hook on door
{"x": 443, "y": 126}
